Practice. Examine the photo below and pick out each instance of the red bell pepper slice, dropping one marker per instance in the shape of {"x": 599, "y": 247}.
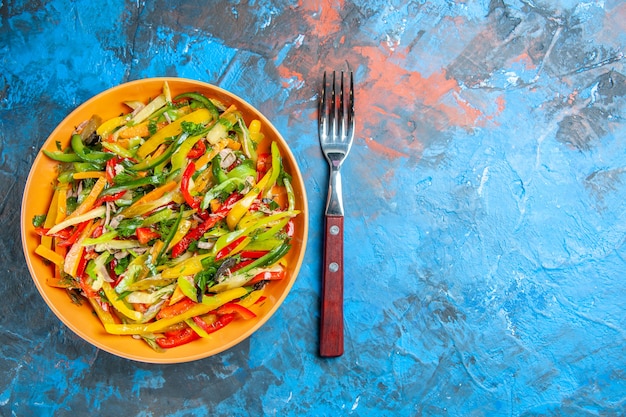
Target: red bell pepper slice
{"x": 107, "y": 198}
{"x": 215, "y": 325}
{"x": 175, "y": 309}
{"x": 290, "y": 228}
{"x": 234, "y": 308}
{"x": 240, "y": 265}
{"x": 194, "y": 234}
{"x": 267, "y": 276}
{"x": 228, "y": 248}
{"x": 253, "y": 254}
{"x": 109, "y": 169}
{"x": 210, "y": 221}
{"x": 98, "y": 231}
{"x": 86, "y": 288}
{"x": 146, "y": 234}
{"x": 255, "y": 206}
{"x": 61, "y": 234}
{"x": 177, "y": 338}
{"x": 197, "y": 151}
{"x": 192, "y": 201}
{"x": 82, "y": 264}
{"x": 228, "y": 204}
{"x": 263, "y": 162}
{"x": 73, "y": 237}
{"x": 111, "y": 270}
{"x": 41, "y": 231}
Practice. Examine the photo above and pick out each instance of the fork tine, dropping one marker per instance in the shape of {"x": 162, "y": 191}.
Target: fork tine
{"x": 333, "y": 109}
{"x": 322, "y": 112}
{"x": 350, "y": 121}
{"x": 340, "y": 111}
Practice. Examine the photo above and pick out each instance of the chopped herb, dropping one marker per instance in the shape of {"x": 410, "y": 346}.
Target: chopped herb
{"x": 122, "y": 265}
{"x": 127, "y": 227}
{"x": 192, "y": 128}
{"x": 152, "y": 126}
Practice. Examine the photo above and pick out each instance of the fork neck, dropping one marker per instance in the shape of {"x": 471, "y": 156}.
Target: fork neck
{"x": 334, "y": 203}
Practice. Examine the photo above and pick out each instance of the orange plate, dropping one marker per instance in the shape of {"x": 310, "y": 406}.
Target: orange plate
{"x": 38, "y": 193}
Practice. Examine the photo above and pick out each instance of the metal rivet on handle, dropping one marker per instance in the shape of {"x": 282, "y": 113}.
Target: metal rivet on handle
{"x": 334, "y": 230}
{"x": 333, "y": 267}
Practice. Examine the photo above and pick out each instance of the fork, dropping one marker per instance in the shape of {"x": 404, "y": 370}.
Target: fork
{"x": 336, "y": 133}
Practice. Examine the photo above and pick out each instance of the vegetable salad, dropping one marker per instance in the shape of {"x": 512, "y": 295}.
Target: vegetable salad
{"x": 170, "y": 219}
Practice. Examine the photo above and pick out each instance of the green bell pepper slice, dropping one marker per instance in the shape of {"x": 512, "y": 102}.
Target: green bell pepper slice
{"x": 87, "y": 154}
{"x": 62, "y": 156}
{"x": 202, "y": 100}
{"x": 150, "y": 163}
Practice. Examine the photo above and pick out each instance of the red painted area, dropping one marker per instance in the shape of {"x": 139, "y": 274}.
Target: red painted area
{"x": 525, "y": 60}
{"x": 383, "y": 149}
{"x": 322, "y": 16}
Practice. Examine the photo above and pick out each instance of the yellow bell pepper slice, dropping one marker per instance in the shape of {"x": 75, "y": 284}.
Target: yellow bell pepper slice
{"x": 182, "y": 230}
{"x": 199, "y": 330}
{"x": 189, "y": 266}
{"x": 147, "y": 206}
{"x": 46, "y": 241}
{"x": 255, "y": 131}
{"x": 173, "y": 129}
{"x": 118, "y": 304}
{"x": 106, "y": 128}
{"x": 61, "y": 204}
{"x": 241, "y": 207}
{"x": 104, "y": 316}
{"x": 88, "y": 174}
{"x": 208, "y": 304}
{"x": 251, "y": 298}
{"x": 176, "y": 296}
{"x": 49, "y": 254}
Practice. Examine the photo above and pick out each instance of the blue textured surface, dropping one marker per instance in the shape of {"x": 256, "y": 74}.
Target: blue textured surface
{"x": 485, "y": 198}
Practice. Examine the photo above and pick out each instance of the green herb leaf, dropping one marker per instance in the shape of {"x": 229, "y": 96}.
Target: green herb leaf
{"x": 192, "y": 128}
{"x": 127, "y": 227}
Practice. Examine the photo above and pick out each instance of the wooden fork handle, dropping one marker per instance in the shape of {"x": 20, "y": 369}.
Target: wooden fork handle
{"x": 331, "y": 320}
